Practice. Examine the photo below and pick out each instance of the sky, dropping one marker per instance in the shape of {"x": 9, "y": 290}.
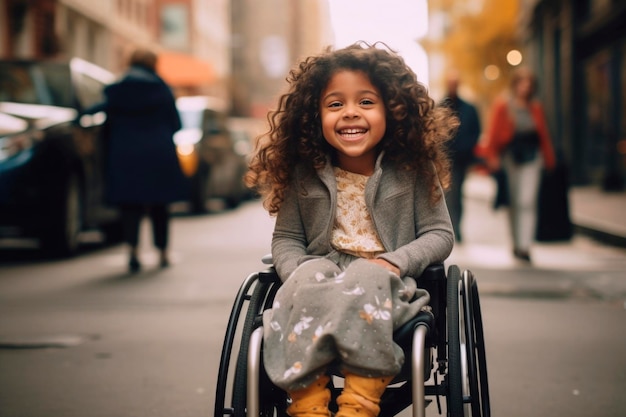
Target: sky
{"x": 398, "y": 23}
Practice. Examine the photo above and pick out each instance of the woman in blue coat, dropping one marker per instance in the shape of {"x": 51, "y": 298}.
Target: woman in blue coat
{"x": 143, "y": 174}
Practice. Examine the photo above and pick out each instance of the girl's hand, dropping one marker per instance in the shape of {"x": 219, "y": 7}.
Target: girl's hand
{"x": 389, "y": 266}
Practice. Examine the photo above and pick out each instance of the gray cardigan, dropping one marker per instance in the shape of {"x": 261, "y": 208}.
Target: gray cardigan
{"x": 414, "y": 232}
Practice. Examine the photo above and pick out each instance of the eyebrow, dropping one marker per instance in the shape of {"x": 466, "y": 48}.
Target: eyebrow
{"x": 361, "y": 92}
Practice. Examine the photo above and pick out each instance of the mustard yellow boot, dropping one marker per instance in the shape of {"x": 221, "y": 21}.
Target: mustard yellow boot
{"x": 361, "y": 396}
{"x": 311, "y": 401}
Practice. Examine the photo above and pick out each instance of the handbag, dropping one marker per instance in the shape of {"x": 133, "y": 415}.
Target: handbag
{"x": 524, "y": 145}
{"x": 502, "y": 198}
{"x": 553, "y": 214}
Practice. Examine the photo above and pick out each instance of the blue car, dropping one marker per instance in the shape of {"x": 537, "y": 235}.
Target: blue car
{"x": 51, "y": 166}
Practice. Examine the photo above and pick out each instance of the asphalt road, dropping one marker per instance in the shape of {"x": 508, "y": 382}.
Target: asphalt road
{"x": 80, "y": 337}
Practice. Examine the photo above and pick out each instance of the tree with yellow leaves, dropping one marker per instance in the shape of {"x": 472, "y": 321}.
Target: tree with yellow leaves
{"x": 476, "y": 41}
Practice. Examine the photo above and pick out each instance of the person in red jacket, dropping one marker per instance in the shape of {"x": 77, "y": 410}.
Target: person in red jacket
{"x": 517, "y": 141}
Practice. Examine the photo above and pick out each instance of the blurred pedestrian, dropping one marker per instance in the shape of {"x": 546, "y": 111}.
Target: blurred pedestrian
{"x": 143, "y": 175}
{"x": 460, "y": 148}
{"x": 518, "y": 143}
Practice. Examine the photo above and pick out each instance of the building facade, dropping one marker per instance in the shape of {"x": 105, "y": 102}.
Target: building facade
{"x": 27, "y": 28}
{"x": 247, "y": 46}
{"x": 579, "y": 49}
{"x": 269, "y": 37}
{"x": 104, "y": 31}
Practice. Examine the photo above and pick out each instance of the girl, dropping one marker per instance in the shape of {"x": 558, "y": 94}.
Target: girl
{"x": 517, "y": 140}
{"x": 352, "y": 167}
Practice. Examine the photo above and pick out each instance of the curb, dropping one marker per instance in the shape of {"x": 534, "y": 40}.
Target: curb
{"x": 600, "y": 235}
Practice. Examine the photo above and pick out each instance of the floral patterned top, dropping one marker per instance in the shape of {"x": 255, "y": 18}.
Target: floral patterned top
{"x": 353, "y": 231}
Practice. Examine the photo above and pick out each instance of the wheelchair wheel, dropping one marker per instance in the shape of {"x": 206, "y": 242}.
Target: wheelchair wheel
{"x": 272, "y": 401}
{"x": 476, "y": 350}
{"x": 223, "y": 378}
{"x": 454, "y": 397}
{"x": 468, "y": 392}
{"x": 482, "y": 356}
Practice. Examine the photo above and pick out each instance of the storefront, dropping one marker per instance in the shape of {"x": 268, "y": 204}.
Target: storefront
{"x": 579, "y": 51}
{"x": 186, "y": 74}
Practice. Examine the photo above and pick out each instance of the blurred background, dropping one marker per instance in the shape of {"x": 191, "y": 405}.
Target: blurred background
{"x": 79, "y": 336}
{"x": 240, "y": 51}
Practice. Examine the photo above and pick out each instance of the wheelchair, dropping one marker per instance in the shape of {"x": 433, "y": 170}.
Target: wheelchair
{"x": 444, "y": 350}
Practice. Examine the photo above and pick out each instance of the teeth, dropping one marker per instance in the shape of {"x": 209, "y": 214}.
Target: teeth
{"x": 351, "y": 131}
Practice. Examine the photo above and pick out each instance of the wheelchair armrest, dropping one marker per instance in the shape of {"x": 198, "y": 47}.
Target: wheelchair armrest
{"x": 431, "y": 279}
{"x": 433, "y": 272}
{"x": 434, "y": 280}
{"x": 269, "y": 276}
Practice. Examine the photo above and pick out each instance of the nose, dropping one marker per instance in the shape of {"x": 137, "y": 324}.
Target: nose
{"x": 350, "y": 112}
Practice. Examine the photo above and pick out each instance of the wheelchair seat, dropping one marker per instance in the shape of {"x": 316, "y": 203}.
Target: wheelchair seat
{"x": 403, "y": 336}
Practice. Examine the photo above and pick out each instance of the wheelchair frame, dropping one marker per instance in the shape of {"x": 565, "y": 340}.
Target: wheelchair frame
{"x": 453, "y": 329}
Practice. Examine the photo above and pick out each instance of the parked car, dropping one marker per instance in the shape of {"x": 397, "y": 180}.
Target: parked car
{"x": 211, "y": 153}
{"x": 52, "y": 168}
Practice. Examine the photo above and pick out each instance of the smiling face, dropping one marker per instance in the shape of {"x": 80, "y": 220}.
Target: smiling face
{"x": 353, "y": 120}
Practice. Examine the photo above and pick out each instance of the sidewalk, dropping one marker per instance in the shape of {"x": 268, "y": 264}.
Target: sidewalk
{"x": 593, "y": 212}
{"x": 600, "y": 214}
{"x": 584, "y": 267}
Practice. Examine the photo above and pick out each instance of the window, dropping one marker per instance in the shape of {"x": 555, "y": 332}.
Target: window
{"x": 36, "y": 83}
{"x": 621, "y": 144}
{"x": 175, "y": 26}
{"x": 598, "y": 93}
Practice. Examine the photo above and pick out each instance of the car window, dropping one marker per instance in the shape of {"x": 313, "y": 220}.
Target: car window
{"x": 89, "y": 80}
{"x": 214, "y": 122}
{"x": 36, "y": 83}
{"x": 198, "y": 113}
{"x": 88, "y": 90}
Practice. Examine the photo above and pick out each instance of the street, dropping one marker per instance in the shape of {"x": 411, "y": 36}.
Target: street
{"x": 82, "y": 338}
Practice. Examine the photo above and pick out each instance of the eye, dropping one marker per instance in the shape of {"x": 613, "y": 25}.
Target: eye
{"x": 367, "y": 102}
{"x": 334, "y": 104}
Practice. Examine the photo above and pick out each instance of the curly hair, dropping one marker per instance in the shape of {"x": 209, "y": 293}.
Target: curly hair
{"x": 416, "y": 129}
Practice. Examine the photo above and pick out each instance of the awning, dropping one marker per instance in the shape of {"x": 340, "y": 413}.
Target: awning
{"x": 183, "y": 70}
